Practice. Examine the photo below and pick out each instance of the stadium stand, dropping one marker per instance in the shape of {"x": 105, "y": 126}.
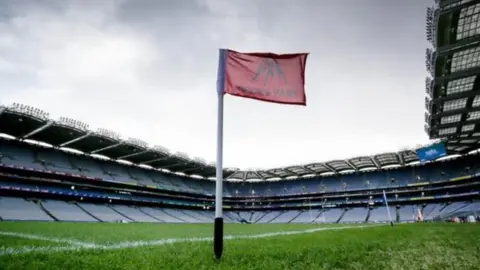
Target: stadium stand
{"x": 158, "y": 214}
{"x": 63, "y": 178}
{"x": 307, "y": 216}
{"x": 65, "y": 211}
{"x": 286, "y": 217}
{"x": 20, "y": 209}
{"x": 380, "y": 215}
{"x": 60, "y": 170}
{"x": 355, "y": 215}
{"x": 21, "y": 157}
{"x": 133, "y": 213}
{"x": 102, "y": 212}
{"x": 332, "y": 215}
{"x": 407, "y": 213}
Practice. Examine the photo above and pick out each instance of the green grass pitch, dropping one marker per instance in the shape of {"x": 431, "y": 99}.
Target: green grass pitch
{"x": 36, "y": 245}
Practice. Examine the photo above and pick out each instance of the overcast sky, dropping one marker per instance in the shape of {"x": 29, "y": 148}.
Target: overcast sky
{"x": 147, "y": 69}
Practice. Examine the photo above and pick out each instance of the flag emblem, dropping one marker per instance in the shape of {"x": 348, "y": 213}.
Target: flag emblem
{"x": 269, "y": 69}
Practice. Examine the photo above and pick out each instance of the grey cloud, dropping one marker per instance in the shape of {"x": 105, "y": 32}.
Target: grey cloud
{"x": 148, "y": 69}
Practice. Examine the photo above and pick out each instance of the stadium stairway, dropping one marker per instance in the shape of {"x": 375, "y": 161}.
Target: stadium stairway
{"x": 296, "y": 216}
{"x": 436, "y": 211}
{"x": 148, "y": 214}
{"x": 427, "y": 209}
{"x": 251, "y": 217}
{"x": 235, "y": 217}
{"x": 46, "y": 211}
{"x": 88, "y": 213}
{"x": 38, "y": 160}
{"x": 5, "y": 157}
{"x": 161, "y": 215}
{"x": 257, "y": 216}
{"x": 453, "y": 208}
{"x": 194, "y": 215}
{"x": 120, "y": 213}
{"x": 341, "y": 216}
{"x": 368, "y": 215}
{"x": 133, "y": 213}
{"x": 317, "y": 216}
{"x": 271, "y": 216}
{"x": 170, "y": 214}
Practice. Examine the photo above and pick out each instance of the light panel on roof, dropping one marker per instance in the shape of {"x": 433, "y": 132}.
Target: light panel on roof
{"x": 456, "y": 4}
{"x": 279, "y": 172}
{"x": 467, "y": 128}
{"x": 451, "y": 119}
{"x": 476, "y": 101}
{"x": 452, "y": 105}
{"x": 297, "y": 169}
{"x": 469, "y": 22}
{"x": 447, "y": 131}
{"x": 460, "y": 85}
{"x": 409, "y": 156}
{"x": 387, "y": 158}
{"x": 339, "y": 165}
{"x": 265, "y": 174}
{"x": 362, "y": 162}
{"x": 473, "y": 115}
{"x": 461, "y": 148}
{"x": 466, "y": 59}
{"x": 318, "y": 167}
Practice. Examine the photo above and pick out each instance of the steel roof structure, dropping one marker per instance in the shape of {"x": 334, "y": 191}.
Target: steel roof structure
{"x": 453, "y": 90}
{"x": 29, "y": 123}
{"x": 452, "y": 102}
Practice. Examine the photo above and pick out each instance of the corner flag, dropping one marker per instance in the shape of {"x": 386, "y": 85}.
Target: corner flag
{"x": 277, "y": 78}
{"x": 386, "y": 206}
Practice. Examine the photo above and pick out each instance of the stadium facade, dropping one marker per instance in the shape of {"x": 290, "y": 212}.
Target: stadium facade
{"x": 138, "y": 183}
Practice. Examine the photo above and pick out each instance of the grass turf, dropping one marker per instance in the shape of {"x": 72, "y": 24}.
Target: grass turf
{"x": 410, "y": 246}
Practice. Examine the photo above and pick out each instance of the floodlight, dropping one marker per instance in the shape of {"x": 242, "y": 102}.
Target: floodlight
{"x": 427, "y": 117}
{"x": 161, "y": 149}
{"x": 428, "y": 104}
{"x": 108, "y": 133}
{"x": 200, "y": 160}
{"x": 182, "y": 155}
{"x": 429, "y": 86}
{"x": 431, "y": 24}
{"x": 137, "y": 142}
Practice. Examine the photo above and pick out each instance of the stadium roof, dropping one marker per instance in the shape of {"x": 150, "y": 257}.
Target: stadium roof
{"x": 452, "y": 102}
{"x": 453, "y": 90}
{"x": 28, "y": 123}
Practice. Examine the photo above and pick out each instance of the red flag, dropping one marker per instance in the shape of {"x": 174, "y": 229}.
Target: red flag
{"x": 278, "y": 78}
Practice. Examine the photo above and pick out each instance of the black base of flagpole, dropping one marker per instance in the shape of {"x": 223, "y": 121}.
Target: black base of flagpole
{"x": 391, "y": 223}
{"x": 218, "y": 237}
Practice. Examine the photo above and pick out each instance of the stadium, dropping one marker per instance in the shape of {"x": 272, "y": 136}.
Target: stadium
{"x": 81, "y": 198}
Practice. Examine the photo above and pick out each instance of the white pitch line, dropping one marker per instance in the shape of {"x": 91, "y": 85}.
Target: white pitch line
{"x": 49, "y": 239}
{"x": 43, "y": 249}
{"x": 228, "y": 237}
{"x": 86, "y": 246}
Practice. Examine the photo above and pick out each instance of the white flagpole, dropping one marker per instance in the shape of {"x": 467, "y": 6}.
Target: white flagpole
{"x": 218, "y": 226}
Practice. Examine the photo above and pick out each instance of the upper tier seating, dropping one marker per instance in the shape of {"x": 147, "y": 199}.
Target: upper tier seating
{"x": 21, "y": 154}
